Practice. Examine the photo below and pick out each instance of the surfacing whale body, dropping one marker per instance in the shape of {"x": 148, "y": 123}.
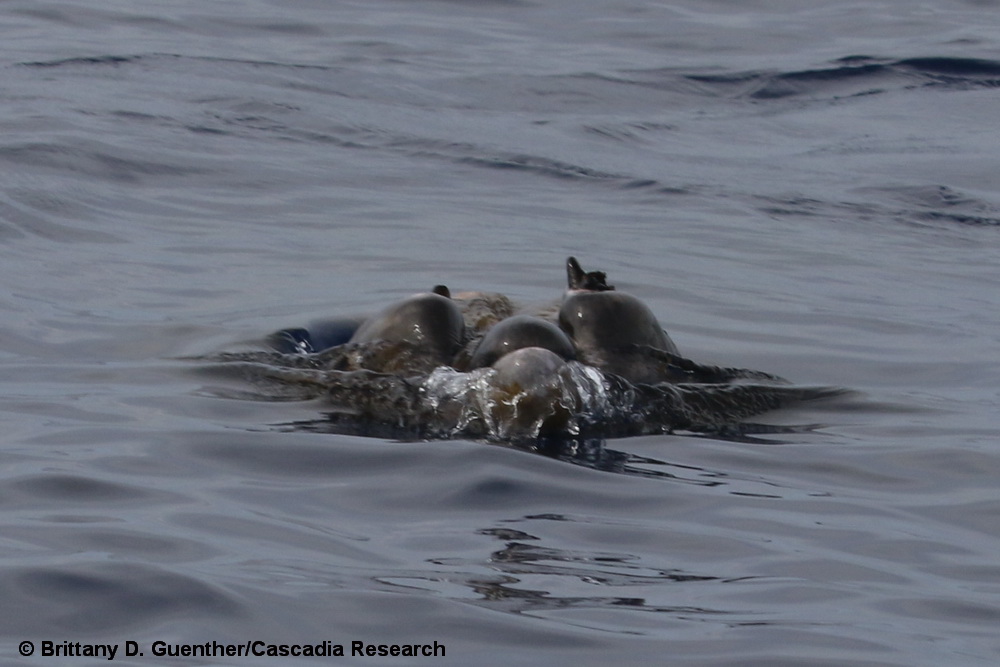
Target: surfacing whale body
{"x": 517, "y": 332}
{"x": 433, "y": 366}
{"x": 429, "y": 323}
{"x": 612, "y": 329}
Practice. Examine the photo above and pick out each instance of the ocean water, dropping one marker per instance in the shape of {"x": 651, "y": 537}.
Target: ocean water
{"x": 807, "y": 188}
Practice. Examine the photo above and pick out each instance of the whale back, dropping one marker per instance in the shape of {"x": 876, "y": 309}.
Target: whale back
{"x": 429, "y": 321}
{"x": 518, "y": 332}
{"x": 611, "y": 330}
{"x": 609, "y": 320}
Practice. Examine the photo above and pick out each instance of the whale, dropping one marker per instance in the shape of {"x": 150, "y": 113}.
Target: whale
{"x": 518, "y": 332}
{"x": 433, "y": 366}
{"x": 596, "y": 316}
{"x": 612, "y": 330}
{"x": 527, "y": 395}
{"x": 317, "y": 336}
{"x": 430, "y": 322}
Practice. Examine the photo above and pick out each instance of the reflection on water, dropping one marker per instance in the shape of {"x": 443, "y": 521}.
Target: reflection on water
{"x": 519, "y": 564}
{"x": 588, "y": 452}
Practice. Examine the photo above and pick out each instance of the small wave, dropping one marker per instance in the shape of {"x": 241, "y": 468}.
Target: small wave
{"x": 83, "y": 60}
{"x": 959, "y": 219}
{"x": 129, "y": 595}
{"x": 96, "y": 160}
{"x": 540, "y": 165}
{"x": 114, "y": 60}
{"x": 853, "y": 76}
{"x": 25, "y": 213}
{"x": 630, "y": 132}
{"x": 936, "y": 204}
{"x": 475, "y": 155}
{"x": 286, "y": 122}
{"x": 986, "y": 71}
{"x": 778, "y": 85}
{"x": 941, "y": 203}
{"x": 59, "y": 488}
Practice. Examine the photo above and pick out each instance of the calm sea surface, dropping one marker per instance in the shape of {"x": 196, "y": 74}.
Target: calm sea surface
{"x": 808, "y": 188}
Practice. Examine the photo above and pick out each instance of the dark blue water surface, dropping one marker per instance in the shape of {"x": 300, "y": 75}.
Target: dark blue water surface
{"x": 807, "y": 188}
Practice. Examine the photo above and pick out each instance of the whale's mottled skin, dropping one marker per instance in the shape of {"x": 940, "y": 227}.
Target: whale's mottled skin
{"x": 430, "y": 366}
